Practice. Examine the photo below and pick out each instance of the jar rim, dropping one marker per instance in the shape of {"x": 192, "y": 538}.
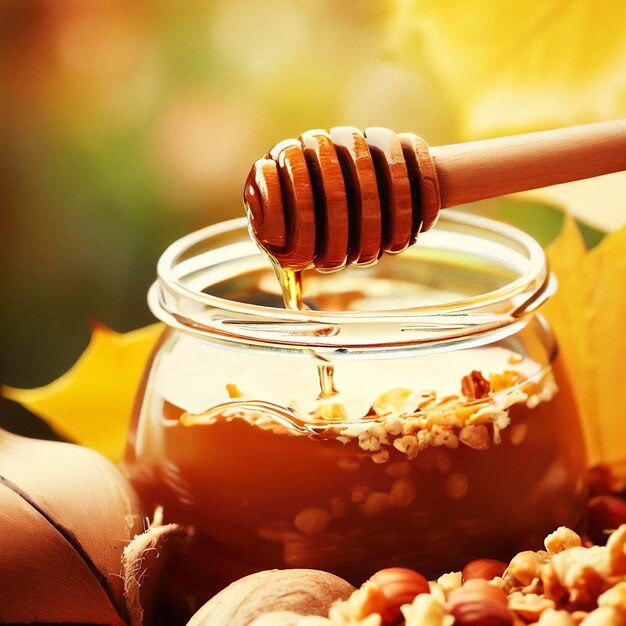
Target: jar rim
{"x": 174, "y": 301}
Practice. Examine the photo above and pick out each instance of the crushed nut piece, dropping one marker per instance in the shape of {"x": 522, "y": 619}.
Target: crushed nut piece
{"x": 561, "y": 539}
{"x": 475, "y": 386}
{"x": 426, "y": 611}
{"x": 451, "y": 581}
{"x": 529, "y": 606}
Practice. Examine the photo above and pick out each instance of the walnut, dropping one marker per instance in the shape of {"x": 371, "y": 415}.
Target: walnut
{"x": 475, "y": 386}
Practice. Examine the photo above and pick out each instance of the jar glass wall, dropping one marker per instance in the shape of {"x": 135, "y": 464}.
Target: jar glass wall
{"x": 417, "y": 414}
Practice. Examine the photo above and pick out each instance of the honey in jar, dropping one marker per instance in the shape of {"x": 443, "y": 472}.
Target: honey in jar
{"x": 416, "y": 413}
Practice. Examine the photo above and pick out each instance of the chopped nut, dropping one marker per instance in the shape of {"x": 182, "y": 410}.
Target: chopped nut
{"x": 407, "y": 445}
{"x": 475, "y": 386}
{"x": 437, "y": 592}
{"x": 368, "y": 442}
{"x": 476, "y": 437}
{"x": 524, "y": 568}
{"x": 616, "y": 547}
{"x": 616, "y": 597}
{"x": 313, "y": 521}
{"x": 550, "y": 617}
{"x": 393, "y": 426}
{"x": 451, "y": 581}
{"x": 366, "y": 601}
{"x": 604, "y": 616}
{"x": 382, "y": 456}
{"x": 425, "y": 611}
{"x": 529, "y": 606}
{"x": 561, "y": 539}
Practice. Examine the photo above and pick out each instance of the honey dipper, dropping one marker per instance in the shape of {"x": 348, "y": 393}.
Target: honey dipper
{"x": 345, "y": 196}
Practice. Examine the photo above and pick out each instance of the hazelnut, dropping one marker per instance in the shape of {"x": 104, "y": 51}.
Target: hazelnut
{"x": 399, "y": 586}
{"x": 604, "y": 513}
{"x": 487, "y": 569}
{"x": 478, "y": 603}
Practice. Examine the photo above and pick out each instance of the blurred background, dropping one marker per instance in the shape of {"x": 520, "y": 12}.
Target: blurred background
{"x": 124, "y": 125}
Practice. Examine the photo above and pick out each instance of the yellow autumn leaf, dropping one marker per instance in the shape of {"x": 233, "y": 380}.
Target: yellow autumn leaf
{"x": 518, "y": 65}
{"x": 91, "y": 403}
{"x": 588, "y": 316}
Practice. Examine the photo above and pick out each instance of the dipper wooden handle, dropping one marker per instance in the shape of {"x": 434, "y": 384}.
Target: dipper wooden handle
{"x": 328, "y": 199}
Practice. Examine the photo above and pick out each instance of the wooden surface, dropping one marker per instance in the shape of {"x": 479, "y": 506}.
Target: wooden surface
{"x": 493, "y": 167}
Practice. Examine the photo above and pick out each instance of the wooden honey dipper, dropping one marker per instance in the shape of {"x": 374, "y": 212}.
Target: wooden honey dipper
{"x": 332, "y": 198}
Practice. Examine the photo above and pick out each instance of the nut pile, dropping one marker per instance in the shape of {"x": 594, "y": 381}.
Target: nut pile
{"x": 567, "y": 584}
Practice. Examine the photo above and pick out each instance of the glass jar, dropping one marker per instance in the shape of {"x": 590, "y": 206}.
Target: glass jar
{"x": 416, "y": 414}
